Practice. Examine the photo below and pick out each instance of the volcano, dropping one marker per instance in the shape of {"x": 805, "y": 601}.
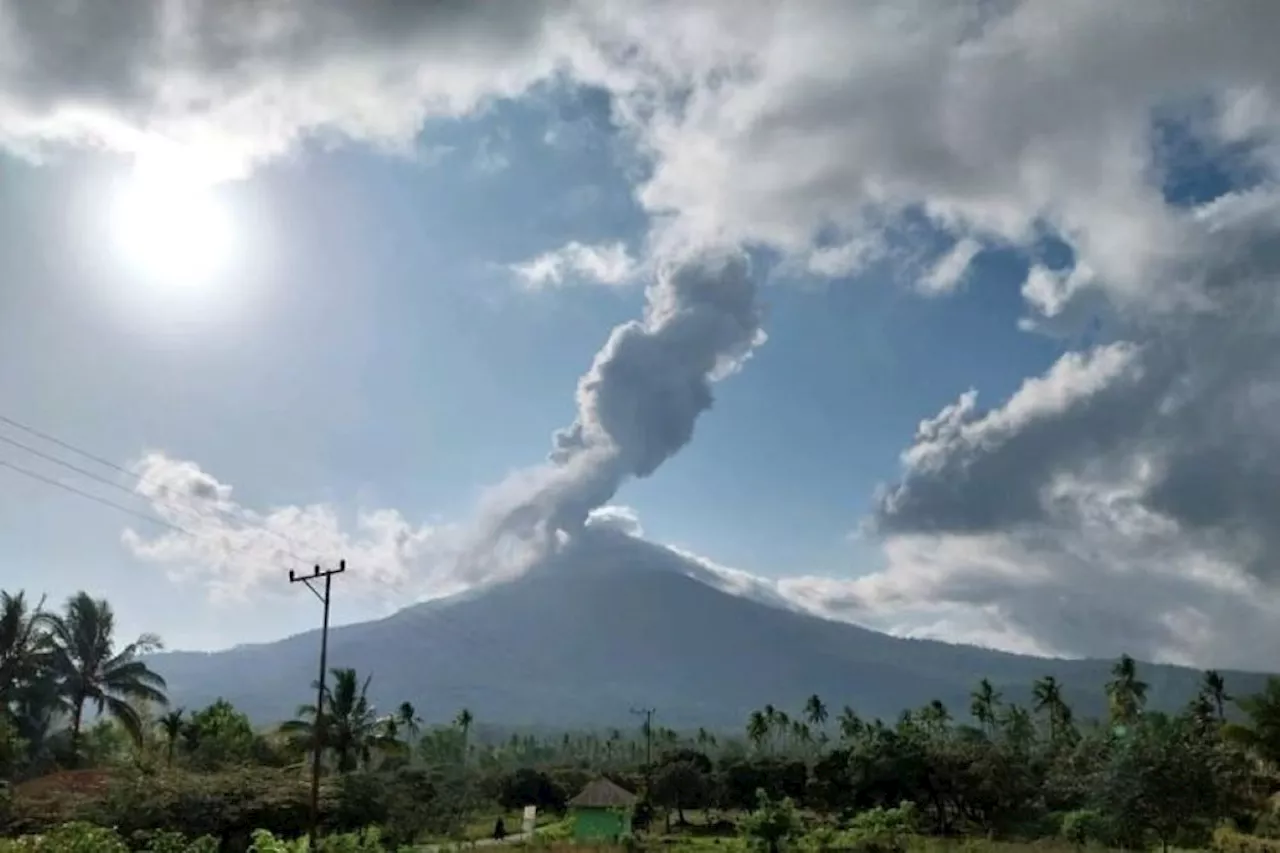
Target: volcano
{"x": 614, "y": 622}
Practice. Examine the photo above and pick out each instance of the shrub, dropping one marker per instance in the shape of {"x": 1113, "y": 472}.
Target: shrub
{"x": 226, "y": 805}
{"x": 1226, "y": 840}
{"x": 83, "y": 837}
{"x": 1084, "y": 826}
{"x": 76, "y": 837}
{"x": 772, "y": 824}
{"x": 885, "y": 829}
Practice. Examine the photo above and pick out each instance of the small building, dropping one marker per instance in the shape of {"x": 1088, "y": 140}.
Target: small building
{"x": 602, "y": 812}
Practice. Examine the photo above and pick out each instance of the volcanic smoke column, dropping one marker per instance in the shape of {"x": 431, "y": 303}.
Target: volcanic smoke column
{"x": 638, "y": 403}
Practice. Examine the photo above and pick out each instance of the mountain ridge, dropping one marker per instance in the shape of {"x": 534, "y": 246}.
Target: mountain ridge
{"x": 612, "y": 622}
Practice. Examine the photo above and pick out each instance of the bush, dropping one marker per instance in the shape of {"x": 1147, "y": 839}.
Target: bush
{"x": 1226, "y": 840}
{"x": 772, "y": 824}
{"x": 1085, "y": 826}
{"x": 69, "y": 838}
{"x": 83, "y": 837}
{"x": 882, "y": 829}
{"x": 226, "y": 805}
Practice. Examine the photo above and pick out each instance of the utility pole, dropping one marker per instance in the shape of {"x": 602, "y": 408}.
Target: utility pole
{"x": 647, "y": 713}
{"x": 318, "y": 734}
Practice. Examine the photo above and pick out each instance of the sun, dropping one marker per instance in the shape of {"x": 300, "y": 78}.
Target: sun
{"x": 171, "y": 229}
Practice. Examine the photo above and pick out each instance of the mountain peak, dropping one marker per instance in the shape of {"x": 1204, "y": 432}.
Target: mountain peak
{"x": 611, "y": 621}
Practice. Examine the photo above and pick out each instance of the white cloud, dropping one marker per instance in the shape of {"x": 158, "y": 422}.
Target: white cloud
{"x": 606, "y": 263}
{"x": 950, "y": 270}
{"x": 231, "y": 85}
{"x": 233, "y": 550}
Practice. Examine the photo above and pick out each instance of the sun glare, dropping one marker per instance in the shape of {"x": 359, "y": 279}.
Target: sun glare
{"x": 174, "y": 231}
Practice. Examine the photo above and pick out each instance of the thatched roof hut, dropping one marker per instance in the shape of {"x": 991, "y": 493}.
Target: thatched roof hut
{"x": 603, "y": 794}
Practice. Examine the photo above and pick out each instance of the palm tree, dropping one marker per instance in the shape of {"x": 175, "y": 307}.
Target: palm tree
{"x": 850, "y": 723}
{"x": 935, "y": 716}
{"x": 172, "y": 725}
{"x": 1261, "y": 734}
{"x": 758, "y": 728}
{"x": 1018, "y": 728}
{"x": 408, "y": 717}
{"x": 21, "y": 643}
{"x": 1047, "y": 695}
{"x": 1214, "y": 688}
{"x": 815, "y": 711}
{"x": 463, "y": 721}
{"x": 782, "y": 726}
{"x": 986, "y": 699}
{"x": 1126, "y": 694}
{"x": 801, "y": 734}
{"x": 29, "y": 698}
{"x": 391, "y": 727}
{"x": 352, "y": 728}
{"x": 88, "y": 668}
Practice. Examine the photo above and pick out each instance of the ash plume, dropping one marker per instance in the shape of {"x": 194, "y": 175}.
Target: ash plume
{"x": 638, "y": 405}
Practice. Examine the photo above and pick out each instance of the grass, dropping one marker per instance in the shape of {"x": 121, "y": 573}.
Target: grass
{"x": 480, "y": 827}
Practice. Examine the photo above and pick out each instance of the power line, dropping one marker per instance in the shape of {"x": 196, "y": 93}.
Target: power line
{"x": 66, "y": 446}
{"x": 56, "y": 461}
{"x": 132, "y": 475}
{"x": 26, "y": 472}
{"x": 191, "y": 512}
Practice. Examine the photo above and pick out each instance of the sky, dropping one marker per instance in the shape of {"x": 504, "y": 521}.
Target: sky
{"x": 954, "y": 320}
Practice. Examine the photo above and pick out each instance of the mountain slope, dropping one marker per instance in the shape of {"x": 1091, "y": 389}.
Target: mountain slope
{"x": 613, "y": 623}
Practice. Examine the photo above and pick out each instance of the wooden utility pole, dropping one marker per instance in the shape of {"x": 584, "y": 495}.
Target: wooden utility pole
{"x": 647, "y": 713}
{"x": 318, "y": 733}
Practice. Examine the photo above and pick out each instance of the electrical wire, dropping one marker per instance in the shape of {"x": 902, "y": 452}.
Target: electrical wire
{"x": 135, "y": 477}
{"x": 190, "y": 512}
{"x": 27, "y": 472}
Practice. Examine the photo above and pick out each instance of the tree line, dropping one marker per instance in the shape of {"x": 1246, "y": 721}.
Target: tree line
{"x": 71, "y": 696}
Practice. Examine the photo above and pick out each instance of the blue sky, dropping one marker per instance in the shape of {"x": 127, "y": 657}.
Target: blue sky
{"x": 920, "y": 222}
{"x": 385, "y": 355}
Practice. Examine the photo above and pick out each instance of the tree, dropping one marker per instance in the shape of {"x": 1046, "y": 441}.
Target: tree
{"x": 1018, "y": 729}
{"x": 757, "y": 728}
{"x": 21, "y": 644}
{"x": 815, "y": 711}
{"x": 463, "y": 721}
{"x": 88, "y": 668}
{"x": 850, "y": 723}
{"x": 1214, "y": 688}
{"x": 772, "y": 823}
{"x": 352, "y": 728}
{"x": 528, "y": 787}
{"x": 171, "y": 724}
{"x": 1126, "y": 693}
{"x": 1047, "y": 696}
{"x": 219, "y": 735}
{"x": 1261, "y": 734}
{"x": 407, "y": 717}
{"x": 1164, "y": 777}
{"x": 29, "y": 699}
{"x": 679, "y": 785}
{"x": 986, "y": 701}
{"x": 801, "y": 735}
{"x": 935, "y": 717}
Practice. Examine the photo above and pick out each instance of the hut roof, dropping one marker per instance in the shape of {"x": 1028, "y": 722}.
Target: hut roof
{"x": 603, "y": 794}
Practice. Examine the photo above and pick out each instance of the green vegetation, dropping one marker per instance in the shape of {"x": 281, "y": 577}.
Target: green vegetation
{"x": 93, "y": 760}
